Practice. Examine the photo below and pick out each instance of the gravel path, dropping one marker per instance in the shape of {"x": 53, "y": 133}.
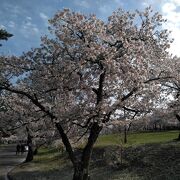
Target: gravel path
{"x": 8, "y": 159}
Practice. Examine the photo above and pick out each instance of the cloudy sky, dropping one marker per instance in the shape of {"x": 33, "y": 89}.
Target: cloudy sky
{"x": 27, "y": 20}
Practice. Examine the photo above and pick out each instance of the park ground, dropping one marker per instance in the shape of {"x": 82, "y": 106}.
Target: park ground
{"x": 146, "y": 156}
{"x": 8, "y": 159}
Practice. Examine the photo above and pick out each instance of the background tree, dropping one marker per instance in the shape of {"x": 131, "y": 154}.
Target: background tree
{"x": 22, "y": 119}
{"x": 171, "y": 86}
{"x": 4, "y": 35}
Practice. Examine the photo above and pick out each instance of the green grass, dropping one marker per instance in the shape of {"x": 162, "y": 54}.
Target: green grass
{"x": 146, "y": 156}
{"x": 151, "y": 161}
{"x": 137, "y": 138}
{"x": 49, "y": 163}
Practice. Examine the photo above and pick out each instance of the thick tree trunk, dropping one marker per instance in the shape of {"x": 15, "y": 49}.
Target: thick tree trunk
{"x": 78, "y": 172}
{"x": 81, "y": 170}
{"x": 30, "y": 154}
{"x": 81, "y": 167}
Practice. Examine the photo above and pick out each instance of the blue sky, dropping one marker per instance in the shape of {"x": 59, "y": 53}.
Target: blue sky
{"x": 27, "y": 20}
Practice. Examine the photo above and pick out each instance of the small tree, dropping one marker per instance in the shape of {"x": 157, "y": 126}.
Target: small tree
{"x": 4, "y": 35}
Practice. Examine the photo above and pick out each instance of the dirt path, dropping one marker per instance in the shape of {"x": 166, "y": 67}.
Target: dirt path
{"x": 8, "y": 160}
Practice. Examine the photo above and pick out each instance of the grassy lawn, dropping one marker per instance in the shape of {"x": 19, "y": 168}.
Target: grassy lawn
{"x": 49, "y": 163}
{"x": 137, "y": 138}
{"x": 146, "y": 156}
{"x": 158, "y": 161}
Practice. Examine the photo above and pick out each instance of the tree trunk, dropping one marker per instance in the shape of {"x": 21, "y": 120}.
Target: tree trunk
{"x": 178, "y": 137}
{"x": 78, "y": 172}
{"x": 81, "y": 170}
{"x": 125, "y": 134}
{"x": 81, "y": 167}
{"x": 155, "y": 126}
{"x": 66, "y": 143}
{"x": 35, "y": 151}
{"x": 30, "y": 154}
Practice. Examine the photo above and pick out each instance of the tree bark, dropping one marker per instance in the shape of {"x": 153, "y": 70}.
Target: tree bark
{"x": 66, "y": 143}
{"x": 81, "y": 166}
{"x": 178, "y": 137}
{"x": 81, "y": 169}
{"x": 125, "y": 134}
{"x": 78, "y": 172}
{"x": 30, "y": 154}
{"x": 35, "y": 151}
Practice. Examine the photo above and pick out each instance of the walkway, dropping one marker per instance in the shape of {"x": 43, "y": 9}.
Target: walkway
{"x": 8, "y": 159}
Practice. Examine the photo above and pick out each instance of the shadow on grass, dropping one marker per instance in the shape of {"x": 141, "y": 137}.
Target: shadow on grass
{"x": 143, "y": 162}
{"x": 1, "y": 177}
{"x": 64, "y": 173}
{"x": 155, "y": 161}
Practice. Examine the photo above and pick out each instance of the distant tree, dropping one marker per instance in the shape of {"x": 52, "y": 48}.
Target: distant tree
{"x": 4, "y": 35}
{"x": 174, "y": 109}
{"x": 19, "y": 118}
{"x": 172, "y": 86}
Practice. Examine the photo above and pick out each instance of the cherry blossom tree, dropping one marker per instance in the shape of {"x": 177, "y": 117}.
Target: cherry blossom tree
{"x": 88, "y": 71}
{"x": 4, "y": 35}
{"x": 22, "y": 119}
{"x": 171, "y": 87}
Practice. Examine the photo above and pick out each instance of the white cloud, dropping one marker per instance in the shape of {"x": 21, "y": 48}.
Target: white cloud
{"x": 43, "y": 16}
{"x": 83, "y": 3}
{"x": 176, "y": 2}
{"x": 168, "y": 7}
{"x": 145, "y": 4}
{"x": 118, "y": 2}
{"x": 35, "y": 29}
{"x": 106, "y": 9}
{"x": 11, "y": 24}
{"x": 29, "y": 29}
{"x": 28, "y": 18}
{"x": 27, "y": 25}
{"x": 2, "y": 26}
{"x": 172, "y": 14}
